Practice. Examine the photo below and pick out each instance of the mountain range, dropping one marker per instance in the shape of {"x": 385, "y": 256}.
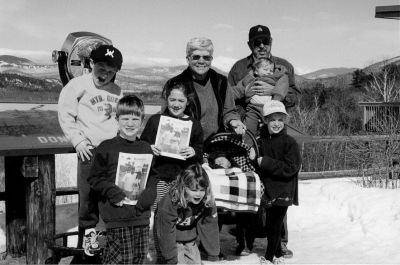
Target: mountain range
{"x": 153, "y": 78}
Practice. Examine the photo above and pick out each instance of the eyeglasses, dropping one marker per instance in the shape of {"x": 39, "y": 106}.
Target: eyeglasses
{"x": 258, "y": 42}
{"x": 205, "y": 57}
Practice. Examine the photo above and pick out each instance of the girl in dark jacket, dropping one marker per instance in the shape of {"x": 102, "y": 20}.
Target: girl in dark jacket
{"x": 279, "y": 165}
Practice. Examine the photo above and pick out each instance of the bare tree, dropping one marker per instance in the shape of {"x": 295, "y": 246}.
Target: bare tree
{"x": 382, "y": 86}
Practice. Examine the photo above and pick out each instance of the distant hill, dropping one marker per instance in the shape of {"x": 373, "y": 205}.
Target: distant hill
{"x": 328, "y": 72}
{"x": 342, "y": 77}
{"x": 377, "y": 66}
{"x": 13, "y": 60}
{"x": 152, "y": 78}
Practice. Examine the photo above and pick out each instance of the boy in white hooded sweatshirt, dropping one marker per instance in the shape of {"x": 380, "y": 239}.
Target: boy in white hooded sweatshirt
{"x": 86, "y": 113}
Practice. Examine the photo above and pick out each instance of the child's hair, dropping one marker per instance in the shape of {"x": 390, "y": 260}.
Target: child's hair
{"x": 130, "y": 104}
{"x": 185, "y": 90}
{"x": 258, "y": 63}
{"x": 192, "y": 177}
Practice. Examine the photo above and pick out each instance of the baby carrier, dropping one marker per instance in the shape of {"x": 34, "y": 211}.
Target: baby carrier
{"x": 238, "y": 188}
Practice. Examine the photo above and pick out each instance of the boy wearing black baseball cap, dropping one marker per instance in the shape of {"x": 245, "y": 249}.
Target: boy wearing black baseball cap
{"x": 86, "y": 113}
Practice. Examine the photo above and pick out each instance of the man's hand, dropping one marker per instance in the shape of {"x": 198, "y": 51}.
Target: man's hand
{"x": 261, "y": 88}
{"x": 238, "y": 126}
{"x": 83, "y": 150}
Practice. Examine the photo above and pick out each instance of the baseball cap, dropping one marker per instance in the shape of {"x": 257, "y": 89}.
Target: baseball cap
{"x": 107, "y": 53}
{"x": 259, "y": 31}
{"x": 273, "y": 106}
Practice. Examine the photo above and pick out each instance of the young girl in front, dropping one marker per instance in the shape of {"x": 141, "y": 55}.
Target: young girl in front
{"x": 186, "y": 212}
{"x": 179, "y": 106}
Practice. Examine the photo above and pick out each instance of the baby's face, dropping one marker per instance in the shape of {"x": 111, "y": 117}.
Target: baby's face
{"x": 264, "y": 69}
{"x": 223, "y": 162}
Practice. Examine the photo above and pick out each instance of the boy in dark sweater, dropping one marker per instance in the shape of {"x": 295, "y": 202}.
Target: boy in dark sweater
{"x": 279, "y": 165}
{"x": 127, "y": 225}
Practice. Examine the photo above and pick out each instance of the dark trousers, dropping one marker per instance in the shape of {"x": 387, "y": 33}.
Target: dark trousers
{"x": 88, "y": 211}
{"x": 88, "y": 207}
{"x": 284, "y": 234}
{"x": 244, "y": 232}
{"x": 275, "y": 217}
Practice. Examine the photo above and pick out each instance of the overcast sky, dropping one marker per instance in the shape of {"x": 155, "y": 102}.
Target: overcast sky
{"x": 311, "y": 34}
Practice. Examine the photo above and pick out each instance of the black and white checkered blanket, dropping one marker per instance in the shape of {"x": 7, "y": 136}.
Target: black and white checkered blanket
{"x": 234, "y": 189}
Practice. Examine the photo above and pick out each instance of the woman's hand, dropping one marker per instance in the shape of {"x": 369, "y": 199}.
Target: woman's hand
{"x": 156, "y": 150}
{"x": 187, "y": 152}
{"x": 83, "y": 150}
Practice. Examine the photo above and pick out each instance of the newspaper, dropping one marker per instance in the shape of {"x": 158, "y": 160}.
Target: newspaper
{"x": 172, "y": 135}
{"x": 132, "y": 173}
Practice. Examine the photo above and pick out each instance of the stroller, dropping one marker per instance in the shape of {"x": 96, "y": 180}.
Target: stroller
{"x": 235, "y": 189}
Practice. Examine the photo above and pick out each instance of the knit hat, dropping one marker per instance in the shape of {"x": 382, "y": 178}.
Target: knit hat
{"x": 273, "y": 106}
{"x": 107, "y": 53}
{"x": 259, "y": 31}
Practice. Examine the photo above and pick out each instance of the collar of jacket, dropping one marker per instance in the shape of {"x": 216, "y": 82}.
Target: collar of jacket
{"x": 217, "y": 83}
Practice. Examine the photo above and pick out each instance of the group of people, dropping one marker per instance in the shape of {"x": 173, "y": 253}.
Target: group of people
{"x": 179, "y": 191}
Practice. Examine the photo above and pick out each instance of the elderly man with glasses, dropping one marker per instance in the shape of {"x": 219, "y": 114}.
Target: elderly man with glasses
{"x": 214, "y": 104}
{"x": 260, "y": 44}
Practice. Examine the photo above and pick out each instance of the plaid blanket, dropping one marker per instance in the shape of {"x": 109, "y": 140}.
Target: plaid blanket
{"x": 234, "y": 189}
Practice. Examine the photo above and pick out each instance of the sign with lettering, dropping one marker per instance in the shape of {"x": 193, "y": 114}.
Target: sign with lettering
{"x": 31, "y": 132}
{"x": 34, "y": 131}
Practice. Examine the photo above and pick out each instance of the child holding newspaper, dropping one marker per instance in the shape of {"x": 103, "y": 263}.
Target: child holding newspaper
{"x": 179, "y": 103}
{"x": 123, "y": 218}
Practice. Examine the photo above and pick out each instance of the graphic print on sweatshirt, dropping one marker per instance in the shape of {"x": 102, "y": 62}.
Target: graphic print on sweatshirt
{"x": 106, "y": 104}
{"x": 188, "y": 221}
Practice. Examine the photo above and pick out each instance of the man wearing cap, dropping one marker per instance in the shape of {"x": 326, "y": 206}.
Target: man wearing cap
{"x": 260, "y": 44}
{"x": 86, "y": 113}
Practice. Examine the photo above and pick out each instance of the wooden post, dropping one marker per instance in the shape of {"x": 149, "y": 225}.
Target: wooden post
{"x": 40, "y": 210}
{"x": 15, "y": 206}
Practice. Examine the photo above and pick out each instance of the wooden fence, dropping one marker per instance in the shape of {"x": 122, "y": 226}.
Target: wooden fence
{"x": 323, "y": 157}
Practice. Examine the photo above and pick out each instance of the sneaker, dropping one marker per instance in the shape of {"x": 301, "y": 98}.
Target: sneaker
{"x": 90, "y": 242}
{"x": 280, "y": 260}
{"x": 264, "y": 261}
{"x": 287, "y": 253}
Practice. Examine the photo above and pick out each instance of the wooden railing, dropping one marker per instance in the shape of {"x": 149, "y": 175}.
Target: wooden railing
{"x": 323, "y": 157}
{"x": 339, "y": 156}
{"x": 376, "y": 113}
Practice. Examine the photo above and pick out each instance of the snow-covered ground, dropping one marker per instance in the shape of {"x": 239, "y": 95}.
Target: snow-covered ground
{"x": 337, "y": 222}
